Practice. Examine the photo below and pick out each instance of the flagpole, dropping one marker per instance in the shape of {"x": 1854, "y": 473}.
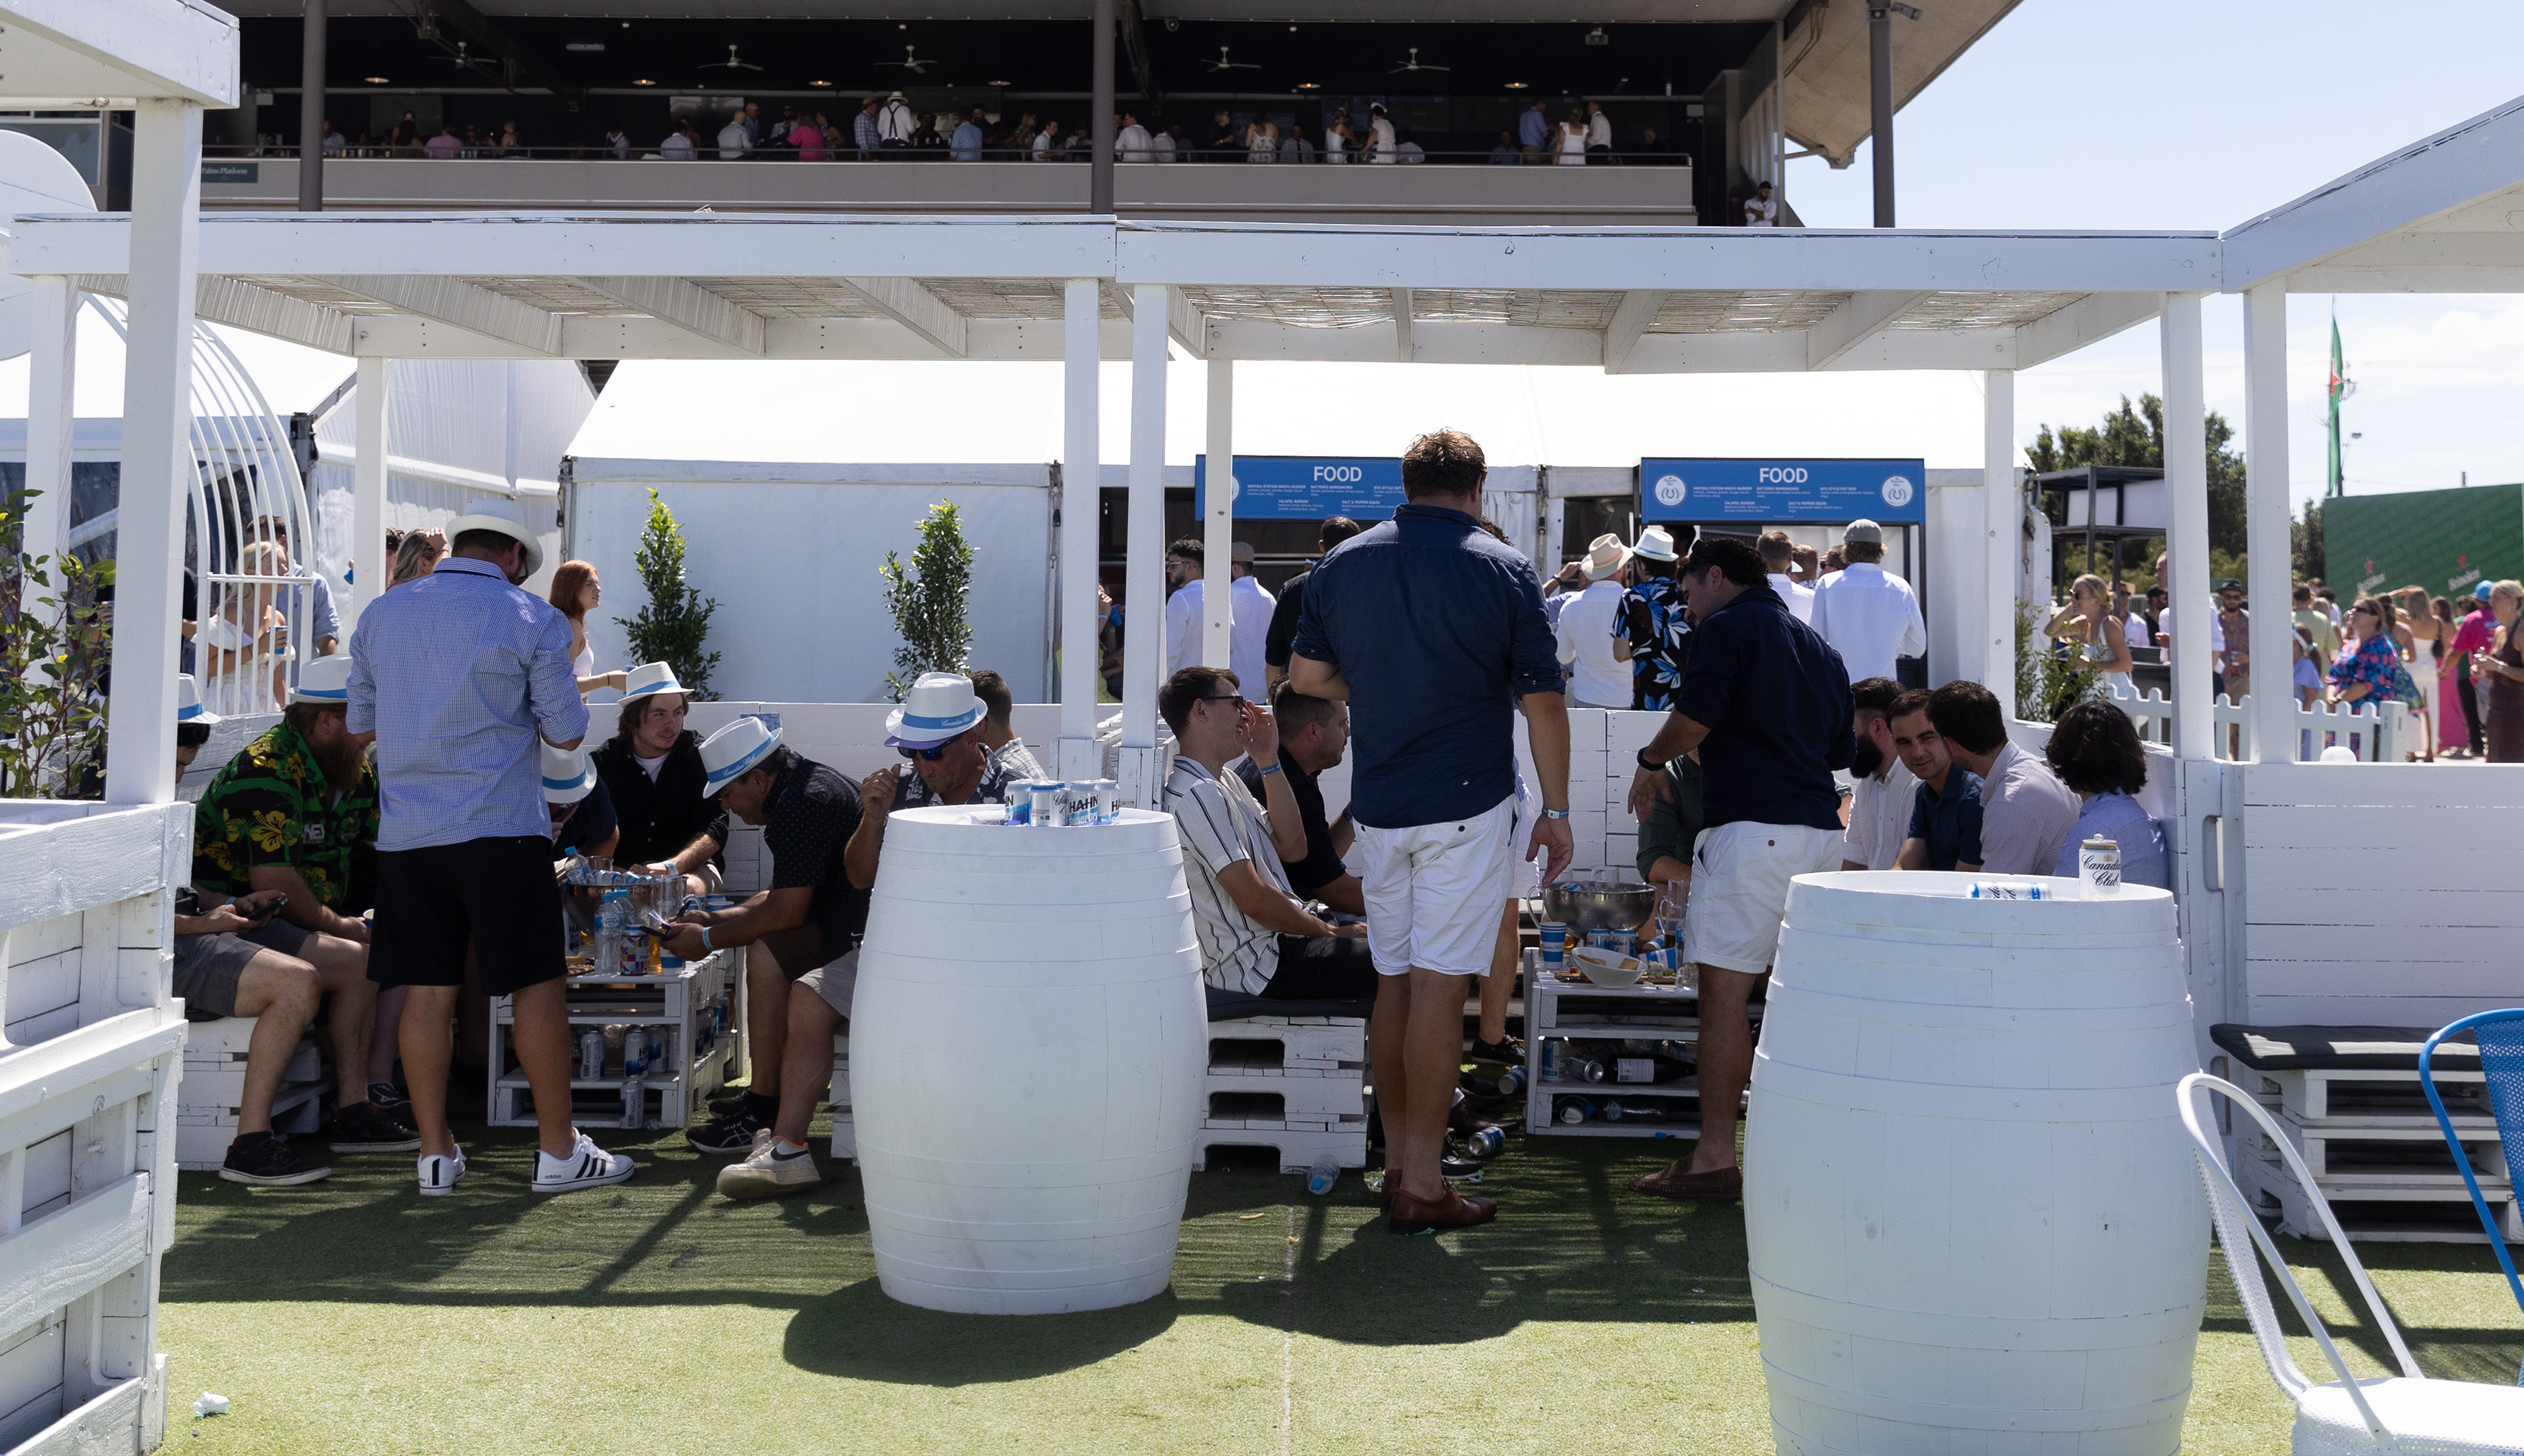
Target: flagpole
{"x": 2339, "y": 371}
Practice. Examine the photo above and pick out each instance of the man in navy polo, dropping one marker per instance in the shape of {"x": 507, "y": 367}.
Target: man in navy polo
{"x": 1432, "y": 631}
{"x": 1767, "y": 703}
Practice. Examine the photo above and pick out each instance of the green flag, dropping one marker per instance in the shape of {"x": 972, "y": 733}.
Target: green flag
{"x": 2336, "y": 388}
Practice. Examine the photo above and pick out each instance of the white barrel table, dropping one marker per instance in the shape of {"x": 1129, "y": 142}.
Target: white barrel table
{"x": 1027, "y": 1047}
{"x": 1973, "y": 1221}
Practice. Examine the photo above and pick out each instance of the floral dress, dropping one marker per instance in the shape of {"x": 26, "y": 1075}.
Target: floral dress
{"x": 2376, "y": 664}
{"x": 1652, "y": 622}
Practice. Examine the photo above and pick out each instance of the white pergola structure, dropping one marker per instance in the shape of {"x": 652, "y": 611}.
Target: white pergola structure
{"x": 1081, "y": 290}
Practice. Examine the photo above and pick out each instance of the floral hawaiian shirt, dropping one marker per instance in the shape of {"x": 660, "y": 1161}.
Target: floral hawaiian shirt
{"x": 1652, "y": 621}
{"x": 272, "y": 804}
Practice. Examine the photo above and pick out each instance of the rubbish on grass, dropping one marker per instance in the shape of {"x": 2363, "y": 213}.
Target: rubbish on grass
{"x": 1244, "y": 1218}
{"x": 210, "y": 1405}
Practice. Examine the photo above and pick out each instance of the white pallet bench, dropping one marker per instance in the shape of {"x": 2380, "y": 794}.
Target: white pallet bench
{"x": 1296, "y": 1084}
{"x": 207, "y": 1100}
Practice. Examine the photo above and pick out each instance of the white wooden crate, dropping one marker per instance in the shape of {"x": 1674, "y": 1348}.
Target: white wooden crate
{"x": 89, "y": 1081}
{"x": 696, "y": 1063}
{"x": 1316, "y": 1066}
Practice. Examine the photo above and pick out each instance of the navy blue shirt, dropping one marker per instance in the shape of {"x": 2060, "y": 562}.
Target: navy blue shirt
{"x": 592, "y": 823}
{"x": 1437, "y": 627}
{"x": 1948, "y": 822}
{"x": 1775, "y": 701}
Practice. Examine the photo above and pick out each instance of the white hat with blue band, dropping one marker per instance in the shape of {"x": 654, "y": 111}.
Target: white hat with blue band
{"x": 649, "y": 679}
{"x": 938, "y": 707}
{"x": 323, "y": 681}
{"x": 568, "y": 776}
{"x": 188, "y": 702}
{"x": 727, "y": 753}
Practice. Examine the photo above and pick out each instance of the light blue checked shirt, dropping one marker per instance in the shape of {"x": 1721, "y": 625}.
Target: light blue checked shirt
{"x": 459, "y": 674}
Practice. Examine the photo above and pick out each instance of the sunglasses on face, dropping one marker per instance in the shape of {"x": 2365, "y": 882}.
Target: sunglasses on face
{"x": 930, "y": 754}
{"x": 1238, "y": 699}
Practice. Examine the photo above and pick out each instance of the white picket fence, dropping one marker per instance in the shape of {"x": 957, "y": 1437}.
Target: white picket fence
{"x": 2373, "y": 731}
{"x": 91, "y": 1044}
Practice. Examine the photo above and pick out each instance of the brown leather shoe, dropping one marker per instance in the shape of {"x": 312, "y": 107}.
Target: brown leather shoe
{"x": 1409, "y": 1215}
{"x": 1676, "y": 1181}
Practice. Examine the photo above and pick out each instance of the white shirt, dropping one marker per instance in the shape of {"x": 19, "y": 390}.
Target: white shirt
{"x": 1045, "y": 146}
{"x": 1798, "y": 595}
{"x": 1879, "y": 817}
{"x": 676, "y": 148}
{"x": 1380, "y": 140}
{"x": 1252, "y": 606}
{"x": 733, "y": 139}
{"x": 1411, "y": 153}
{"x": 1162, "y": 145}
{"x": 651, "y": 766}
{"x": 1761, "y": 212}
{"x": 1182, "y": 628}
{"x": 1599, "y": 131}
{"x": 1586, "y": 632}
{"x": 895, "y": 123}
{"x": 1870, "y": 617}
{"x": 1134, "y": 144}
{"x": 2216, "y": 631}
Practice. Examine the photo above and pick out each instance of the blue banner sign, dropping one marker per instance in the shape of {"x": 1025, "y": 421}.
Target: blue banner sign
{"x": 1305, "y": 487}
{"x": 1778, "y": 492}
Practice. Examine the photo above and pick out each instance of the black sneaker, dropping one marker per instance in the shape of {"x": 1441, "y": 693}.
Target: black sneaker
{"x": 362, "y": 1127}
{"x": 387, "y": 1096}
{"x": 726, "y": 1105}
{"x": 265, "y": 1160}
{"x": 733, "y": 1133}
{"x": 1508, "y": 1049}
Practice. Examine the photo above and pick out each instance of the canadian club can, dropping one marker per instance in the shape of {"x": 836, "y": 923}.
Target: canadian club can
{"x": 2098, "y": 869}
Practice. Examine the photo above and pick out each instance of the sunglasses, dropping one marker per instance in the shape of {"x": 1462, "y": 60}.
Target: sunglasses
{"x": 930, "y": 754}
{"x": 1242, "y": 706}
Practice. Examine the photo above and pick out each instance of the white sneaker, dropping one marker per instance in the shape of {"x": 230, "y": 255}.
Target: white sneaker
{"x": 440, "y": 1174}
{"x": 588, "y": 1166}
{"x": 772, "y": 1170}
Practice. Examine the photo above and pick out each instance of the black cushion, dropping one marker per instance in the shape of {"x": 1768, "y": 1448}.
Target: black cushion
{"x": 2356, "y": 1048}
{"x": 1227, "y": 1005}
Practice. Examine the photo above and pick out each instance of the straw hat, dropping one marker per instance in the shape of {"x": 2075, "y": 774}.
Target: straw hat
{"x": 938, "y": 707}
{"x": 733, "y": 748}
{"x": 188, "y": 702}
{"x": 505, "y": 518}
{"x": 649, "y": 679}
{"x": 324, "y": 682}
{"x": 1605, "y": 555}
{"x": 567, "y": 775}
{"x": 1656, "y": 543}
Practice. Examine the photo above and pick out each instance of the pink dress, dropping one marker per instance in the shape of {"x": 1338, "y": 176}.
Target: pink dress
{"x": 809, "y": 142}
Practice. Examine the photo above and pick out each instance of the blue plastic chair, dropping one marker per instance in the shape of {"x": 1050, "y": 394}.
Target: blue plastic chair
{"x": 2500, "y": 1036}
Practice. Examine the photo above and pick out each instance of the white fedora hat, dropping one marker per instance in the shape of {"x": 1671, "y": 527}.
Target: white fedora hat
{"x": 188, "y": 702}
{"x": 1605, "y": 555}
{"x": 939, "y": 705}
{"x": 568, "y": 777}
{"x": 651, "y": 678}
{"x": 1656, "y": 543}
{"x": 505, "y": 518}
{"x": 733, "y": 750}
{"x": 323, "y": 681}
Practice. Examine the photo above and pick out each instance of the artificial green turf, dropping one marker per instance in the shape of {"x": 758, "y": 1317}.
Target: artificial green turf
{"x": 352, "y": 1315}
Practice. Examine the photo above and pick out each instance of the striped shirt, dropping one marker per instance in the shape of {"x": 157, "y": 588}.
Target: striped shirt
{"x": 459, "y": 674}
{"x": 1219, "y": 824}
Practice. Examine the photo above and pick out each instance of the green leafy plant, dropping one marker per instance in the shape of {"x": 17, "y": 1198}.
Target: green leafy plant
{"x": 671, "y": 628}
{"x": 927, "y": 600}
{"x": 54, "y": 651}
{"x": 2047, "y": 683}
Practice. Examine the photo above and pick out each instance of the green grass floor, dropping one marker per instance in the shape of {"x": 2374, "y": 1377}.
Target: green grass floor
{"x": 353, "y": 1316}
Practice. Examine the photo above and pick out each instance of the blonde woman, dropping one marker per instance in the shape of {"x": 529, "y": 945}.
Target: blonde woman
{"x": 576, "y": 592}
{"x": 1261, "y": 142}
{"x": 416, "y": 557}
{"x": 1338, "y": 140}
{"x": 247, "y": 629}
{"x": 2090, "y": 621}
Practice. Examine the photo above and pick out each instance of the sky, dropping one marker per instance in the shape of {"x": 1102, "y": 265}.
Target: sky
{"x": 2203, "y": 115}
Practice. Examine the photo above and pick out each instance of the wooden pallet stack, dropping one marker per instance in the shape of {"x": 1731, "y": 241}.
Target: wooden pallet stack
{"x": 2372, "y": 1144}
{"x": 207, "y": 1100}
{"x": 1294, "y": 1084}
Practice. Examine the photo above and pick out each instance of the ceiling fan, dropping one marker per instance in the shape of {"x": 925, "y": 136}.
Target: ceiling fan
{"x": 730, "y": 63}
{"x": 911, "y": 61}
{"x": 1223, "y": 64}
{"x": 1412, "y": 64}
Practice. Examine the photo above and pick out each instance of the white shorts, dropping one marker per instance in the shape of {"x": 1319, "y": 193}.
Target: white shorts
{"x": 1523, "y": 876}
{"x": 1739, "y": 888}
{"x": 1434, "y": 892}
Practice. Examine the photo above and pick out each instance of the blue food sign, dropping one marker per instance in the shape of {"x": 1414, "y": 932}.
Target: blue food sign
{"x": 1775, "y": 492}
{"x": 1305, "y": 487}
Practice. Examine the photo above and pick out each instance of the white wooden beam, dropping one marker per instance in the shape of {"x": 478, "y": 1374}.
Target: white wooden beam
{"x": 916, "y": 309}
{"x": 2090, "y": 319}
{"x": 696, "y": 310}
{"x": 2354, "y": 278}
{"x": 84, "y": 50}
{"x": 2186, "y": 498}
{"x": 1081, "y": 527}
{"x": 1186, "y": 324}
{"x": 1402, "y": 350}
{"x": 1860, "y": 317}
{"x": 1630, "y": 320}
{"x": 244, "y": 303}
{"x": 466, "y": 305}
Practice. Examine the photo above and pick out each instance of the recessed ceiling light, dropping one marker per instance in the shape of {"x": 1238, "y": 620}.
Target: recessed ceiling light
{"x": 583, "y": 45}
{"x": 644, "y": 81}
{"x": 1003, "y": 83}
{"x": 1516, "y": 86}
{"x": 1310, "y": 86}
{"x": 376, "y": 80}
{"x": 819, "y": 84}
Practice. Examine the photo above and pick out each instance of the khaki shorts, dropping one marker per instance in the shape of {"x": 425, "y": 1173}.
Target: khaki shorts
{"x": 837, "y": 982}
{"x": 1739, "y": 889}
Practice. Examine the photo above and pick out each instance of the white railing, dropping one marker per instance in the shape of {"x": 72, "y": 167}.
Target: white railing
{"x": 91, "y": 1044}
{"x": 2373, "y": 731}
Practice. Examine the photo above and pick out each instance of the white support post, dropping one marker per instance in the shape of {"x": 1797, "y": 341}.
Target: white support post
{"x": 1143, "y": 650}
{"x": 369, "y": 486}
{"x": 52, "y": 364}
{"x": 2266, "y": 516}
{"x": 1081, "y": 514}
{"x": 1218, "y": 524}
{"x": 2186, "y": 493}
{"x": 2001, "y": 508}
{"x": 156, "y": 450}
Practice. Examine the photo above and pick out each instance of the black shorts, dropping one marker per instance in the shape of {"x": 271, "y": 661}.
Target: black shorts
{"x": 1323, "y": 968}
{"x": 494, "y": 896}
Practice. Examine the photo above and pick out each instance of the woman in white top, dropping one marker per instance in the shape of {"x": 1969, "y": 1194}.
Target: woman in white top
{"x": 1261, "y": 142}
{"x": 247, "y": 631}
{"x": 1338, "y": 139}
{"x": 1573, "y": 140}
{"x": 576, "y": 591}
{"x": 2089, "y": 620}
